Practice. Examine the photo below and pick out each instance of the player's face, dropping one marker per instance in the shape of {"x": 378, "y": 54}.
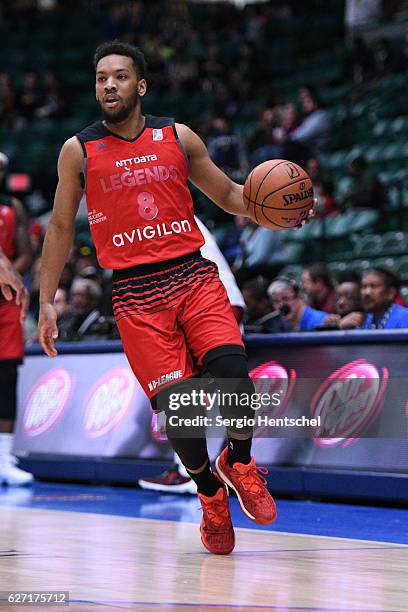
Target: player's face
{"x": 347, "y": 298}
{"x": 374, "y": 293}
{"x": 118, "y": 88}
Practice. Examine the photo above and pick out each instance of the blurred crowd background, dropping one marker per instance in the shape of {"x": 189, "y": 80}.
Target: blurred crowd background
{"x": 322, "y": 83}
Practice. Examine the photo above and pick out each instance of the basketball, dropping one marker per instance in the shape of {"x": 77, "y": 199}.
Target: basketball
{"x": 278, "y": 194}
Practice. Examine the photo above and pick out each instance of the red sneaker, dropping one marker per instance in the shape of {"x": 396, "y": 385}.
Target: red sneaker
{"x": 217, "y": 532}
{"x": 170, "y": 481}
{"x": 250, "y": 487}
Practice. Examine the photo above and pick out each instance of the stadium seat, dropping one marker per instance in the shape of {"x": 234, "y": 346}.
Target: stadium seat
{"x": 401, "y": 266}
{"x": 359, "y": 265}
{"x": 385, "y": 262}
{"x": 400, "y": 125}
{"x": 364, "y": 220}
{"x": 293, "y": 252}
{"x": 404, "y": 292}
{"x": 336, "y": 267}
{"x": 340, "y": 225}
{"x": 293, "y": 271}
{"x": 394, "y": 243}
{"x": 368, "y": 245}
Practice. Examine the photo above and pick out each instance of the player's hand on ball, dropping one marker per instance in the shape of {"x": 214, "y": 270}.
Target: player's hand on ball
{"x": 310, "y": 216}
{"x": 47, "y": 329}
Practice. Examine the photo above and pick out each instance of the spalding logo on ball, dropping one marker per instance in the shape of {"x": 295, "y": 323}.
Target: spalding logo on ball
{"x": 278, "y": 194}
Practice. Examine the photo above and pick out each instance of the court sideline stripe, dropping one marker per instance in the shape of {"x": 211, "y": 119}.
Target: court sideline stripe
{"x": 149, "y": 520}
{"x": 232, "y": 606}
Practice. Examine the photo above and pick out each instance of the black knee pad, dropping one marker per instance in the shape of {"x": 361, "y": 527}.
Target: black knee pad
{"x": 227, "y": 362}
{"x": 235, "y": 369}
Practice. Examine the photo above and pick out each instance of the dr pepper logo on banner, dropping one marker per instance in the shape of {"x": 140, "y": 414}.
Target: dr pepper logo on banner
{"x": 108, "y": 402}
{"x": 276, "y": 380}
{"x": 348, "y": 402}
{"x": 46, "y": 402}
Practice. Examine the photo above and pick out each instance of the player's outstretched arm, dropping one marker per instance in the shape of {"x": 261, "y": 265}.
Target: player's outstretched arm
{"x": 59, "y": 239}
{"x": 208, "y": 177}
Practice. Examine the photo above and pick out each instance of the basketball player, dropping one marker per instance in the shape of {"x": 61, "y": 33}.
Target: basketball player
{"x": 171, "y": 309}
{"x": 16, "y": 259}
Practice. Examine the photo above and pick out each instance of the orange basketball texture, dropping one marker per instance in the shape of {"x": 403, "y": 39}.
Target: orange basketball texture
{"x": 278, "y": 194}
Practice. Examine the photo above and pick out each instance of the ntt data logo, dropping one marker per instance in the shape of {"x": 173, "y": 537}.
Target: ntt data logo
{"x": 108, "y": 402}
{"x": 348, "y": 402}
{"x": 46, "y": 401}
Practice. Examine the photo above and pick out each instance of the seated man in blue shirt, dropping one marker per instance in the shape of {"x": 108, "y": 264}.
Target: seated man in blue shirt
{"x": 285, "y": 291}
{"x": 379, "y": 288}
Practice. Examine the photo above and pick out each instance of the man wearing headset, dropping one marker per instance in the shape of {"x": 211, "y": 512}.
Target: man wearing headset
{"x": 285, "y": 291}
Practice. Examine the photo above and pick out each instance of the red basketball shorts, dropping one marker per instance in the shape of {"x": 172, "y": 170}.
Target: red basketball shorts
{"x": 170, "y": 315}
{"x": 11, "y": 331}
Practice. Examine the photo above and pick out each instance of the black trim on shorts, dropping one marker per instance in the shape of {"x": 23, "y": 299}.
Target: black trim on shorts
{"x": 145, "y": 269}
{"x": 223, "y": 351}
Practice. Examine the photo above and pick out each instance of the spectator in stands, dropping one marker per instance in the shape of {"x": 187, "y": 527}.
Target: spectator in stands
{"x": 263, "y": 252}
{"x": 318, "y": 287}
{"x": 35, "y": 288}
{"x": 68, "y": 275}
{"x": 225, "y": 148}
{"x": 313, "y": 132}
{"x": 7, "y": 96}
{"x": 359, "y": 14}
{"x": 260, "y": 317}
{"x": 287, "y": 122}
{"x": 323, "y": 188}
{"x": 36, "y": 234}
{"x": 366, "y": 190}
{"x": 62, "y": 307}
{"x": 324, "y": 195}
{"x": 261, "y": 144}
{"x": 379, "y": 288}
{"x": 350, "y": 313}
{"x": 403, "y": 51}
{"x": 286, "y": 292}
{"x": 358, "y": 65}
{"x": 84, "y": 259}
{"x": 84, "y": 301}
{"x": 118, "y": 23}
{"x": 28, "y": 99}
{"x": 383, "y": 57}
{"x": 52, "y": 98}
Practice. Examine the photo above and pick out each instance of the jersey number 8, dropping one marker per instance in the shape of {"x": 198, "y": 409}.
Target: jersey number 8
{"x": 147, "y": 208}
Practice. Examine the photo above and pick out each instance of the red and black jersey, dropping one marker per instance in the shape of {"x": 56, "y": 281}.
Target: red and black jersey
{"x": 11, "y": 330}
{"x": 139, "y": 206}
{"x": 8, "y": 226}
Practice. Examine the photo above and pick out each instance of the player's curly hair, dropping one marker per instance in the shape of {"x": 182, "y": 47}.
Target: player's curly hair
{"x": 116, "y": 47}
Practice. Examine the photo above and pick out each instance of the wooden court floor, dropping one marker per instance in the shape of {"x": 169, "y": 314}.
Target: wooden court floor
{"x": 120, "y": 563}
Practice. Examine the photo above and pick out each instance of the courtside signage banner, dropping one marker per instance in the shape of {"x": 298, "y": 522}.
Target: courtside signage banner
{"x": 337, "y": 406}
